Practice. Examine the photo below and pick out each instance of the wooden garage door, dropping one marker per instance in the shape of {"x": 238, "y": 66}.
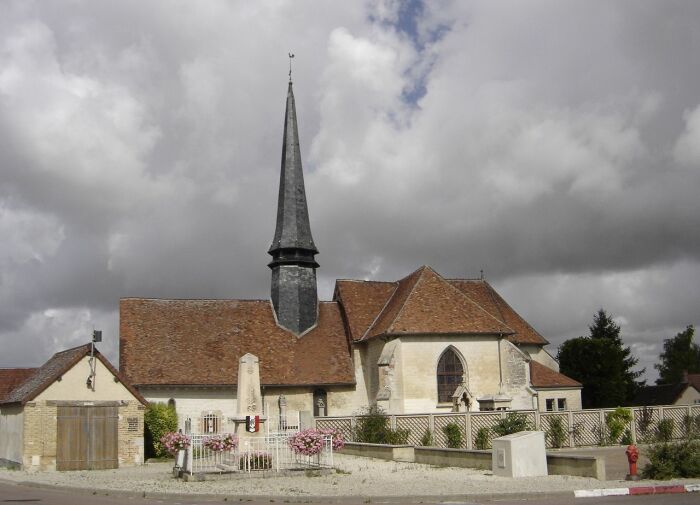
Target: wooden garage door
{"x": 87, "y": 438}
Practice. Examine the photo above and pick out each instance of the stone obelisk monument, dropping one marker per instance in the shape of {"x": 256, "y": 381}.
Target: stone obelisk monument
{"x": 249, "y": 398}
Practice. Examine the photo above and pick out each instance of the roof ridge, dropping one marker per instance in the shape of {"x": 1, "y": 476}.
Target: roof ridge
{"x": 464, "y": 295}
{"x": 491, "y": 290}
{"x": 408, "y": 296}
{"x": 374, "y": 321}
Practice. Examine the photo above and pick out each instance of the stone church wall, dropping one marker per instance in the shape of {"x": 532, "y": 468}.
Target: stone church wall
{"x": 193, "y": 403}
{"x": 419, "y": 359}
{"x": 540, "y": 355}
{"x": 516, "y": 376}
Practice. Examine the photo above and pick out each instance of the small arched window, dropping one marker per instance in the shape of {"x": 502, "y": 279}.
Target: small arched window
{"x": 450, "y": 374}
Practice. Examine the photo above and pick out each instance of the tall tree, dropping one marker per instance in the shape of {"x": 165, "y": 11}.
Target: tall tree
{"x": 601, "y": 363}
{"x": 680, "y": 354}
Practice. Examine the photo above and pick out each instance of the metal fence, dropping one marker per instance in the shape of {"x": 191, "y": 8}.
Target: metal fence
{"x": 256, "y": 454}
{"x": 580, "y": 428}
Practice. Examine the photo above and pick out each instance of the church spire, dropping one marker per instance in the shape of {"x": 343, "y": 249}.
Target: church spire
{"x": 293, "y": 265}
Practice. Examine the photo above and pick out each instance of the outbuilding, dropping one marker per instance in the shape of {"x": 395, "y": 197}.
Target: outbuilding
{"x": 76, "y": 412}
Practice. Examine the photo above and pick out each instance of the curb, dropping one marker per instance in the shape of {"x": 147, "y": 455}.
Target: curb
{"x": 639, "y": 490}
{"x": 338, "y": 500}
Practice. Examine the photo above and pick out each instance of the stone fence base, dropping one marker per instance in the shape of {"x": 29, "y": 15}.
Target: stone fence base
{"x": 557, "y": 464}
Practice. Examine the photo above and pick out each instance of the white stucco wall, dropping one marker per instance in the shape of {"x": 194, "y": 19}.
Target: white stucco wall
{"x": 690, "y": 396}
{"x": 192, "y": 403}
{"x": 11, "y": 433}
{"x": 572, "y": 396}
{"x": 418, "y": 362}
{"x": 540, "y": 355}
{"x": 72, "y": 385}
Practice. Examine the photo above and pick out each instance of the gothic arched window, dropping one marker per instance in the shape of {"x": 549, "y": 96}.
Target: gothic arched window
{"x": 450, "y": 374}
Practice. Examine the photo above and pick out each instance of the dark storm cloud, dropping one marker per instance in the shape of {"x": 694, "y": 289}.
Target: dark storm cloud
{"x": 554, "y": 145}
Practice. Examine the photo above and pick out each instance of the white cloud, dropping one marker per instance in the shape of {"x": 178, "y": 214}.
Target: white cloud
{"x": 687, "y": 148}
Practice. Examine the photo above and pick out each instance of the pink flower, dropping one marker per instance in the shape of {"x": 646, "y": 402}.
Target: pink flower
{"x": 174, "y": 442}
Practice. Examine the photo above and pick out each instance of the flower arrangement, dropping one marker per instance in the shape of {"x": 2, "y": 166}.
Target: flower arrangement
{"x": 175, "y": 441}
{"x": 223, "y": 443}
{"x": 307, "y": 442}
{"x": 338, "y": 437}
{"x": 255, "y": 460}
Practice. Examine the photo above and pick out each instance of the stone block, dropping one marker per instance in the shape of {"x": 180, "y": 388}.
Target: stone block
{"x": 520, "y": 455}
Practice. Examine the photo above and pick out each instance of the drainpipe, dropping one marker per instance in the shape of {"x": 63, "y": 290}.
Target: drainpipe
{"x": 500, "y": 366}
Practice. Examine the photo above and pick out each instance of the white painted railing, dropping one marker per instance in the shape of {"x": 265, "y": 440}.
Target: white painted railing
{"x": 270, "y": 453}
{"x": 288, "y": 423}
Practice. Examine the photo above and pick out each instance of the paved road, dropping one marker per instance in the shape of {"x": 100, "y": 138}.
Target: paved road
{"x": 10, "y": 493}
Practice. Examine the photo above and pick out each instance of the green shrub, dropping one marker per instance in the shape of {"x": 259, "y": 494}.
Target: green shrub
{"x": 556, "y": 432}
{"x": 691, "y": 426}
{"x": 626, "y": 437}
{"x": 158, "y": 419}
{"x": 664, "y": 430}
{"x": 373, "y": 427}
{"x": 616, "y": 422}
{"x": 577, "y": 433}
{"x": 453, "y": 432}
{"x": 645, "y": 424}
{"x": 673, "y": 460}
{"x": 256, "y": 460}
{"x": 512, "y": 423}
{"x": 427, "y": 439}
{"x": 482, "y": 441}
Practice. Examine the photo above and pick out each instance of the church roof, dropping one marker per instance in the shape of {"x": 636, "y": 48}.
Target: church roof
{"x": 483, "y": 293}
{"x": 10, "y": 378}
{"x": 425, "y": 302}
{"x": 42, "y": 377}
{"x": 199, "y": 342}
{"x": 544, "y": 377}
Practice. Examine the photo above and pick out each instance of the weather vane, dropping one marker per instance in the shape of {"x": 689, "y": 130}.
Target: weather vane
{"x": 290, "y": 66}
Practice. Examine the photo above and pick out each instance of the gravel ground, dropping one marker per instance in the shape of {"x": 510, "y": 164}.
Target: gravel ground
{"x": 354, "y": 476}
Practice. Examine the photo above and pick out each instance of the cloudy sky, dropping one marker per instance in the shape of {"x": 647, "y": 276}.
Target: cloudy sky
{"x": 554, "y": 145}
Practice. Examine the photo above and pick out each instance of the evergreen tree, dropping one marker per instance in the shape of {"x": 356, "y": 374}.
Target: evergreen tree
{"x": 601, "y": 363}
{"x": 680, "y": 355}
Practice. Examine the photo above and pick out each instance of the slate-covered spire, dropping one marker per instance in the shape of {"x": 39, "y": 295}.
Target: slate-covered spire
{"x": 293, "y": 265}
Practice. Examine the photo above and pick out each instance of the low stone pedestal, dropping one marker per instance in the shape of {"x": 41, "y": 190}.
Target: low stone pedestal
{"x": 520, "y": 455}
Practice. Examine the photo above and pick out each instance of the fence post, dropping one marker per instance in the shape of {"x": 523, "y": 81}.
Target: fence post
{"x": 392, "y": 422}
{"x": 602, "y": 432}
{"x": 570, "y": 420}
{"x": 633, "y": 426}
{"x": 538, "y": 421}
{"x": 468, "y": 428}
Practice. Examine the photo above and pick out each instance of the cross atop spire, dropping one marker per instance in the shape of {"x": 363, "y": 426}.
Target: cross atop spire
{"x": 291, "y": 55}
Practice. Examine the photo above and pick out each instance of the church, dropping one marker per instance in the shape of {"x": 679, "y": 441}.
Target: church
{"x": 420, "y": 344}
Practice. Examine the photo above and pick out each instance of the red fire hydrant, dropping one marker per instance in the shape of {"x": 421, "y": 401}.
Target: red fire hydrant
{"x": 632, "y": 457}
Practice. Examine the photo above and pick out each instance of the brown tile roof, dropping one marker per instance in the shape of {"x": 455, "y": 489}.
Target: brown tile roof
{"x": 422, "y": 302}
{"x": 544, "y": 377}
{"x": 199, "y": 342}
{"x": 361, "y": 301}
{"x": 10, "y": 378}
{"x": 426, "y": 303}
{"x": 483, "y": 293}
{"x": 56, "y": 366}
{"x": 694, "y": 379}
